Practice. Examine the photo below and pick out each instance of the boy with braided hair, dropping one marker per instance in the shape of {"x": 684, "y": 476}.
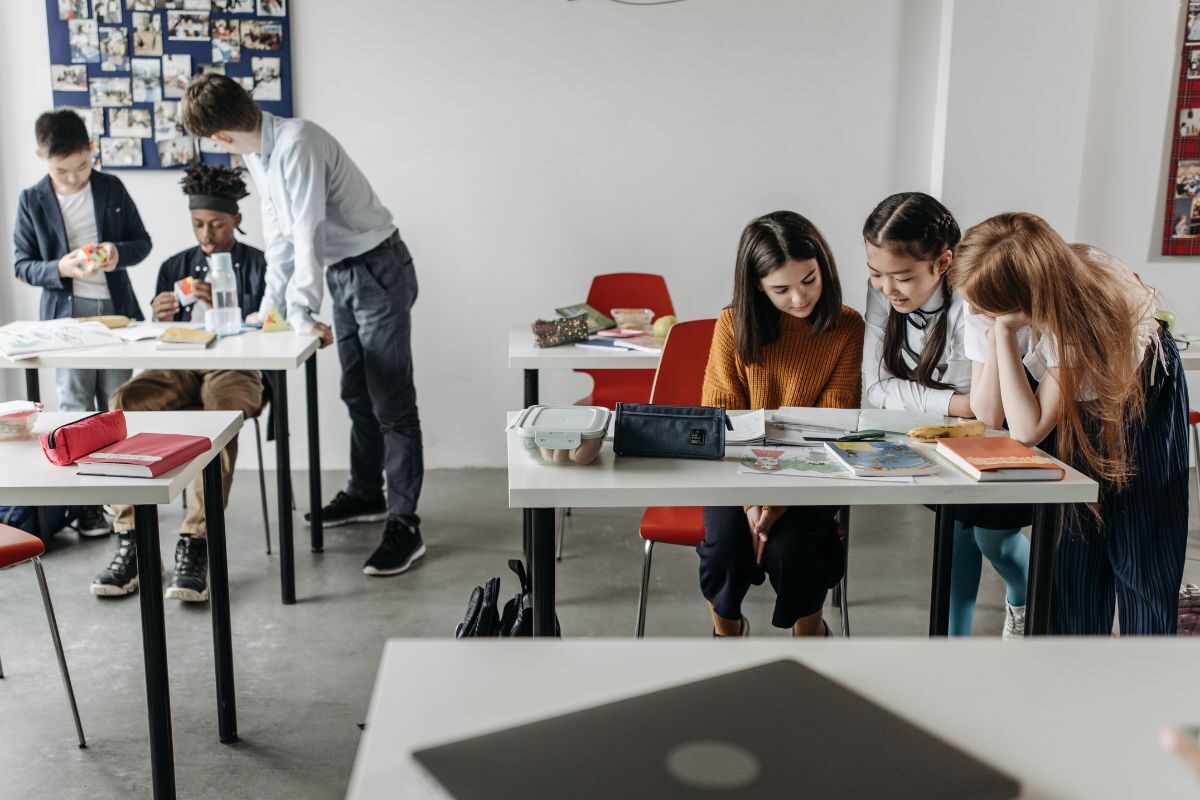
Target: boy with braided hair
{"x": 213, "y": 194}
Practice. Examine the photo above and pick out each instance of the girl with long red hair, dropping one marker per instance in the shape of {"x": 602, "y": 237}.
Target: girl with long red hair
{"x": 1110, "y": 400}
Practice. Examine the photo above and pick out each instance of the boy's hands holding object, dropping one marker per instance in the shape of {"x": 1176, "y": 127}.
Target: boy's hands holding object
{"x": 165, "y": 306}
{"x": 103, "y": 256}
{"x": 74, "y": 265}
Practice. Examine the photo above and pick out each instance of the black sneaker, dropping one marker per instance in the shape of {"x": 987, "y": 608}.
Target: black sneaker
{"x": 93, "y": 522}
{"x": 402, "y": 545}
{"x": 346, "y": 510}
{"x": 190, "y": 581}
{"x": 121, "y": 576}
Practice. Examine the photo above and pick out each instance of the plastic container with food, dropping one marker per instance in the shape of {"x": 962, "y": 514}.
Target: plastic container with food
{"x": 563, "y": 436}
{"x": 641, "y": 319}
{"x": 17, "y": 419}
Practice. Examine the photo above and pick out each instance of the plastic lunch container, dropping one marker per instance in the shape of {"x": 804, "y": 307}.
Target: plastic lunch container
{"x": 633, "y": 318}
{"x": 17, "y": 419}
{"x": 563, "y": 435}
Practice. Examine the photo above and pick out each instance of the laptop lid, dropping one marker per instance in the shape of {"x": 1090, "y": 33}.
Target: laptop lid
{"x": 775, "y": 730}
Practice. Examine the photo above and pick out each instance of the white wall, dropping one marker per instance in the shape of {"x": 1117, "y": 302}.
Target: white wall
{"x": 524, "y": 146}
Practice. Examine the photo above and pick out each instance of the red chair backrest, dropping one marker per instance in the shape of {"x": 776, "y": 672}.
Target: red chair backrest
{"x": 630, "y": 290}
{"x": 679, "y": 380}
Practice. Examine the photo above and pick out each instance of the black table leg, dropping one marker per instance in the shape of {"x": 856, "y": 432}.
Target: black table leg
{"x": 218, "y": 568}
{"x": 154, "y": 651}
{"x": 283, "y": 479}
{"x": 33, "y": 390}
{"x": 1046, "y": 518}
{"x": 943, "y": 562}
{"x": 317, "y": 531}
{"x": 531, "y": 399}
{"x": 541, "y": 570}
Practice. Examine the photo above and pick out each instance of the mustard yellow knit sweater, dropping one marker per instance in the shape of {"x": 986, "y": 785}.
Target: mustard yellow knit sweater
{"x": 798, "y": 369}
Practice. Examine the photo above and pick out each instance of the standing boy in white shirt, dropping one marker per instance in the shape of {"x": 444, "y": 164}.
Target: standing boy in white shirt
{"x": 319, "y": 211}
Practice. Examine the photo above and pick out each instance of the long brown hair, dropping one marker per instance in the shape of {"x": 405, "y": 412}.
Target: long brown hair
{"x": 767, "y": 244}
{"x": 1016, "y": 262}
{"x": 914, "y": 225}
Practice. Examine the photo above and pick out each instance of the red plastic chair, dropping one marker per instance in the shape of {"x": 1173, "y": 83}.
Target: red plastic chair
{"x": 680, "y": 381}
{"x": 1193, "y": 425}
{"x": 625, "y": 290}
{"x": 16, "y": 547}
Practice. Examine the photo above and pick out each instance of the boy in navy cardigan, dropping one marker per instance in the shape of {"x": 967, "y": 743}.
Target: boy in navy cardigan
{"x": 73, "y": 208}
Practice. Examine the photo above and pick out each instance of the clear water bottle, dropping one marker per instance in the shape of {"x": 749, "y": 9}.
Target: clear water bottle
{"x": 225, "y": 317}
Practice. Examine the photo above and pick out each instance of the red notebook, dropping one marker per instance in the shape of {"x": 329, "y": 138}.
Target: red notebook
{"x": 999, "y": 458}
{"x": 144, "y": 455}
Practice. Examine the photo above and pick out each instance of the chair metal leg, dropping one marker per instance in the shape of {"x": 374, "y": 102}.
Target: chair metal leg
{"x": 842, "y": 593}
{"x": 560, "y": 521}
{"x": 1, "y": 669}
{"x": 262, "y": 485}
{"x": 1196, "y": 447}
{"x": 58, "y": 648}
{"x": 641, "y": 619}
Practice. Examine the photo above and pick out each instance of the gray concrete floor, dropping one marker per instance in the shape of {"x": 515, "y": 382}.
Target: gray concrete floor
{"x": 305, "y": 673}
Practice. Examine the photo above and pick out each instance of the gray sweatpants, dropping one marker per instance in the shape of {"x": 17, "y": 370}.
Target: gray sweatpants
{"x": 373, "y": 295}
{"x": 88, "y": 389}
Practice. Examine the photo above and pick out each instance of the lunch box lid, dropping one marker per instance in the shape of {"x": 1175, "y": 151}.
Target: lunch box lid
{"x": 551, "y": 422}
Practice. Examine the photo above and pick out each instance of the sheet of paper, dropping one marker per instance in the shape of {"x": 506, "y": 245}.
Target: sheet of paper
{"x": 29, "y": 339}
{"x": 817, "y": 419}
{"x": 747, "y": 428}
{"x": 799, "y": 462}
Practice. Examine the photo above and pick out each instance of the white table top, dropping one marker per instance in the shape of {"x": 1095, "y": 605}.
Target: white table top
{"x": 611, "y": 482}
{"x": 27, "y": 478}
{"x": 249, "y": 350}
{"x": 523, "y": 355}
{"x": 1070, "y": 718}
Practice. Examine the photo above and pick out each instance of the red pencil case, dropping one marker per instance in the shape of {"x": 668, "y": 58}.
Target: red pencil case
{"x": 67, "y": 443}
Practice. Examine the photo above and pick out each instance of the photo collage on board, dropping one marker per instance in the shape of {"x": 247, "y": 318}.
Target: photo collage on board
{"x": 123, "y": 66}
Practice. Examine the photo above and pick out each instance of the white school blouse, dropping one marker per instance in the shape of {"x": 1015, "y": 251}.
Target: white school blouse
{"x": 884, "y": 389}
{"x": 1039, "y": 352}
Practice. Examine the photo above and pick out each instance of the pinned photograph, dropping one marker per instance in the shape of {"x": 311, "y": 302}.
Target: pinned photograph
{"x": 68, "y": 78}
{"x": 147, "y": 80}
{"x": 72, "y": 9}
{"x": 187, "y": 26}
{"x": 177, "y": 72}
{"x": 85, "y": 41}
{"x": 197, "y": 5}
{"x": 1189, "y": 122}
{"x": 108, "y": 12}
{"x": 1187, "y": 178}
{"x": 210, "y": 69}
{"x": 226, "y": 41}
{"x": 166, "y": 121}
{"x": 175, "y": 152}
{"x": 247, "y": 82}
{"x": 131, "y": 122}
{"x": 114, "y": 50}
{"x": 260, "y": 35}
{"x": 110, "y": 92}
{"x": 147, "y": 34}
{"x": 272, "y": 8}
{"x": 1193, "y": 59}
{"x": 234, "y": 6}
{"x": 1183, "y": 218}
{"x": 120, "y": 152}
{"x": 209, "y": 146}
{"x": 268, "y": 83}
{"x": 1193, "y": 22}
{"x": 145, "y": 5}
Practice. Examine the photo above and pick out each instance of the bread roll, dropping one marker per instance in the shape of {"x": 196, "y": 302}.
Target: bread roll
{"x": 928, "y": 433}
{"x": 587, "y": 451}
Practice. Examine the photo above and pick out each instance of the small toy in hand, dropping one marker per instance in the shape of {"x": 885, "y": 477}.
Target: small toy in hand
{"x": 94, "y": 255}
{"x": 185, "y": 291}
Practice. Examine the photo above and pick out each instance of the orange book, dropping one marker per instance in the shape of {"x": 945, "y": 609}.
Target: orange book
{"x": 999, "y": 458}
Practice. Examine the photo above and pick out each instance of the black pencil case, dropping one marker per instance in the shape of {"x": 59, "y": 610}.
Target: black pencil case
{"x": 657, "y": 431}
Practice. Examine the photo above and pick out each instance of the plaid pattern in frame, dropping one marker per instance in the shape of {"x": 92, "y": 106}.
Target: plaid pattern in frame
{"x": 1181, "y": 223}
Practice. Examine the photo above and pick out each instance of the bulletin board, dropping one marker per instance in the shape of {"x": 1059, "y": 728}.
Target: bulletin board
{"x": 123, "y": 65}
{"x": 1181, "y": 226}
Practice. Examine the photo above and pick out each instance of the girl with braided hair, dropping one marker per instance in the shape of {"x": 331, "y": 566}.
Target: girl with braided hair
{"x": 915, "y": 359}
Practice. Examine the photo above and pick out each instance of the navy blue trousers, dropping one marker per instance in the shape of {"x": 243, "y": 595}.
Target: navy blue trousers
{"x": 1133, "y": 559}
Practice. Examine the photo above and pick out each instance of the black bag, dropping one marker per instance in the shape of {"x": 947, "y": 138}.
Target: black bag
{"x": 517, "y": 619}
{"x": 26, "y": 518}
{"x": 481, "y": 618}
{"x": 670, "y": 431}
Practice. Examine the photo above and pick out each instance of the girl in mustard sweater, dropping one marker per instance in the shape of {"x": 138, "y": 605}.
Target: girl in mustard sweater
{"x": 786, "y": 340}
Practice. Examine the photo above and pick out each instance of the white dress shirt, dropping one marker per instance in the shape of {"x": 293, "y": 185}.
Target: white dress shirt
{"x": 318, "y": 209}
{"x": 884, "y": 389}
